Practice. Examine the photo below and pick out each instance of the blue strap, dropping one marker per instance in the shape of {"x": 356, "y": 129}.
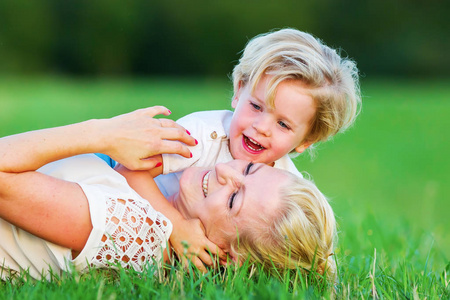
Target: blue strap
{"x": 112, "y": 163}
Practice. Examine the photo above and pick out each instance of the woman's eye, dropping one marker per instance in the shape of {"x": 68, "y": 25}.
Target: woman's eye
{"x": 284, "y": 125}
{"x": 255, "y": 106}
{"x": 230, "y": 203}
{"x": 247, "y": 169}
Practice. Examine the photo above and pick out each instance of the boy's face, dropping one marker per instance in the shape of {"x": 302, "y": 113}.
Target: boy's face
{"x": 262, "y": 134}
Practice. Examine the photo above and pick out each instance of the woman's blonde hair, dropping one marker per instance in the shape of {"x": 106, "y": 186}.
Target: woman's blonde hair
{"x": 301, "y": 234}
{"x": 290, "y": 54}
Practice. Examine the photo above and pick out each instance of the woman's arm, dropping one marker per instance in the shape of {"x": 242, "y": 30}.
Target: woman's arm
{"x": 129, "y": 139}
{"x": 31, "y": 150}
{"x": 50, "y": 208}
{"x": 57, "y": 210}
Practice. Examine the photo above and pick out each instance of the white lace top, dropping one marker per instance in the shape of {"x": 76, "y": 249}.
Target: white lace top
{"x": 126, "y": 229}
{"x": 134, "y": 235}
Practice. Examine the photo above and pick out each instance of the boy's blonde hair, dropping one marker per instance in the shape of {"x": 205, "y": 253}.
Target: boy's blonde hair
{"x": 290, "y": 54}
{"x": 301, "y": 235}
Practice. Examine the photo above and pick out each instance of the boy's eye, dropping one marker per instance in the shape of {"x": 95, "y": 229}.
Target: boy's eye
{"x": 255, "y": 106}
{"x": 282, "y": 124}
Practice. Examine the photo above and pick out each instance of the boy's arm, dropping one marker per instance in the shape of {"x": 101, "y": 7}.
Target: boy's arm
{"x": 198, "y": 247}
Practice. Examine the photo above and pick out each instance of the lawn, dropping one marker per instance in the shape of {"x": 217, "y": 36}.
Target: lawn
{"x": 387, "y": 179}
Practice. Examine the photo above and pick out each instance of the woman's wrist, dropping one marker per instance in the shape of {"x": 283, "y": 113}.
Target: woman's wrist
{"x": 102, "y": 136}
{"x": 97, "y": 136}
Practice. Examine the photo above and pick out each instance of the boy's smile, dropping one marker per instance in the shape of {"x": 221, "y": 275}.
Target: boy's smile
{"x": 251, "y": 145}
{"x": 261, "y": 133}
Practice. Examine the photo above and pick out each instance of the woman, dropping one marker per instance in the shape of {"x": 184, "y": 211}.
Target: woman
{"x": 86, "y": 214}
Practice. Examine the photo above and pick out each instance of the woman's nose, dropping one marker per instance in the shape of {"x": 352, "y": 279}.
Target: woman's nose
{"x": 226, "y": 174}
{"x": 262, "y": 124}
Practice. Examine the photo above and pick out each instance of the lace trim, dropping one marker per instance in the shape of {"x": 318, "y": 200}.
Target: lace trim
{"x": 135, "y": 235}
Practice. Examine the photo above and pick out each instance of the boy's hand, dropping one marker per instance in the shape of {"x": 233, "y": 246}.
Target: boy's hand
{"x": 133, "y": 139}
{"x": 189, "y": 242}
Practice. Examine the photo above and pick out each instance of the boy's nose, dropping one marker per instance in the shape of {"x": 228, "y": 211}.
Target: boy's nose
{"x": 226, "y": 174}
{"x": 262, "y": 124}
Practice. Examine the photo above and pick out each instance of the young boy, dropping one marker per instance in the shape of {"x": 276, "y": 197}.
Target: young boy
{"x": 290, "y": 91}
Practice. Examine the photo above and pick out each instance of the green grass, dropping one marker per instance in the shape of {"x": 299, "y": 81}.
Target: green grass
{"x": 387, "y": 179}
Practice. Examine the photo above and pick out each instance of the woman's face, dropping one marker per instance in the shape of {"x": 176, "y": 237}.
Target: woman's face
{"x": 230, "y": 197}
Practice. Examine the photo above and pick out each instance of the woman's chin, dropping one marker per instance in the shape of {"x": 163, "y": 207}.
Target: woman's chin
{"x": 191, "y": 183}
{"x": 190, "y": 193}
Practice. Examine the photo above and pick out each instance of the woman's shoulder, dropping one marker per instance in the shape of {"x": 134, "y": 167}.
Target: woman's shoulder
{"x": 81, "y": 168}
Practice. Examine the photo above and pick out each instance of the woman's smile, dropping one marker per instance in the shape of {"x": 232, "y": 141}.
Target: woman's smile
{"x": 205, "y": 183}
{"x": 233, "y": 196}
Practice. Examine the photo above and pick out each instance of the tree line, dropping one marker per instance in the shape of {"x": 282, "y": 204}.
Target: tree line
{"x": 180, "y": 37}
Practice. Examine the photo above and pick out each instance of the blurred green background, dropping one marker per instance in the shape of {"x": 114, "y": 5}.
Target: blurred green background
{"x": 179, "y": 37}
{"x": 387, "y": 177}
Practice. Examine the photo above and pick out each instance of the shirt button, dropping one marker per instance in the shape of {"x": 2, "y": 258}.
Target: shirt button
{"x": 214, "y": 135}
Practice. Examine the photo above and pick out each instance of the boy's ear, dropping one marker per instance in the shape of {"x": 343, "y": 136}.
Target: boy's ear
{"x": 236, "y": 95}
{"x": 234, "y": 102}
{"x": 303, "y": 146}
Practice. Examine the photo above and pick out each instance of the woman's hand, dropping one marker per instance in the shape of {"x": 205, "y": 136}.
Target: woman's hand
{"x": 190, "y": 242}
{"x": 133, "y": 139}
